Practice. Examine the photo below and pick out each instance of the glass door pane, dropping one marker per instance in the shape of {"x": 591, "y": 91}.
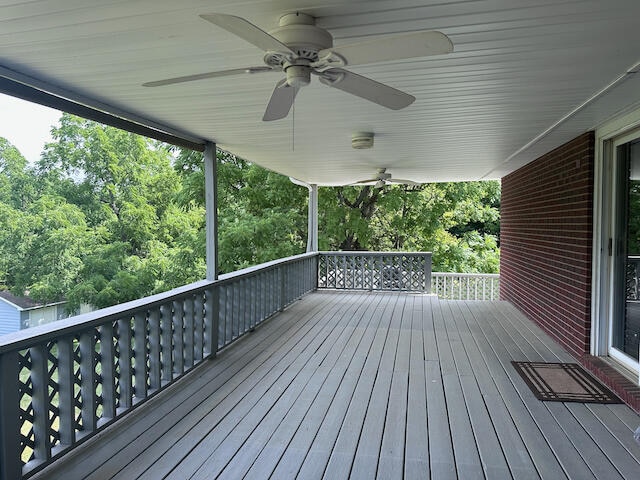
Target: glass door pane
{"x": 626, "y": 322}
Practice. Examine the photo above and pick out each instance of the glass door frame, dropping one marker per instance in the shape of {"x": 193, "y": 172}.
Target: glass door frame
{"x": 608, "y": 138}
{"x": 618, "y": 241}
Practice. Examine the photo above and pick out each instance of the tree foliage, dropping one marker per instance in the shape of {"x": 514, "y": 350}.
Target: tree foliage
{"x": 103, "y": 225}
{"x": 458, "y": 222}
{"x": 107, "y": 216}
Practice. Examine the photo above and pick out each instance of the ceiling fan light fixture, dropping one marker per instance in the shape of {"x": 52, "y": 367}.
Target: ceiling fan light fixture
{"x": 298, "y": 75}
{"x": 362, "y": 140}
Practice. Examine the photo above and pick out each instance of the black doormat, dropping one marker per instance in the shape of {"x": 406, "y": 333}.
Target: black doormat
{"x": 563, "y": 382}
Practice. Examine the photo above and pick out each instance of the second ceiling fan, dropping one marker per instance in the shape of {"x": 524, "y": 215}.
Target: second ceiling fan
{"x": 300, "y": 48}
{"x": 384, "y": 178}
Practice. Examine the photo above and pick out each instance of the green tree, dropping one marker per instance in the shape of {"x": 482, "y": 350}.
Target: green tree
{"x": 262, "y": 215}
{"x": 18, "y": 185}
{"x": 458, "y": 222}
{"x": 107, "y": 216}
{"x": 143, "y": 241}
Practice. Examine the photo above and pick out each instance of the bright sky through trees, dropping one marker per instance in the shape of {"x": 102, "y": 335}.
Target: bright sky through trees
{"x": 26, "y": 125}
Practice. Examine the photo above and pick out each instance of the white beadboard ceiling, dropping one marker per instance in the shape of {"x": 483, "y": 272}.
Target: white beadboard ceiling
{"x": 518, "y": 68}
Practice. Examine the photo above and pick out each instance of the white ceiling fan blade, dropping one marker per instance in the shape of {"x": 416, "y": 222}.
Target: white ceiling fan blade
{"x": 280, "y": 102}
{"x": 404, "y": 182}
{"x": 247, "y": 31}
{"x": 366, "y": 88}
{"x": 396, "y": 47}
{"x": 202, "y": 76}
{"x": 370, "y": 181}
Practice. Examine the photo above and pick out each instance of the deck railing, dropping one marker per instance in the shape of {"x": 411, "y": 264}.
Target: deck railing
{"x": 375, "y": 271}
{"x": 61, "y": 382}
{"x": 466, "y": 286}
{"x": 632, "y": 276}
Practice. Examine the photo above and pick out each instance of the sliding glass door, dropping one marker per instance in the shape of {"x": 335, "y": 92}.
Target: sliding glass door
{"x": 624, "y": 248}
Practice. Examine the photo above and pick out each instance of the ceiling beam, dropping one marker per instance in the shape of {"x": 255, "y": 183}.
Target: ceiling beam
{"x": 30, "y": 89}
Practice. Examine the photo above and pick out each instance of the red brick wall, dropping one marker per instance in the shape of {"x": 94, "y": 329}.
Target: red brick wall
{"x": 545, "y": 242}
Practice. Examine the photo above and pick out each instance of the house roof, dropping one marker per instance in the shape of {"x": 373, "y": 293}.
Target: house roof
{"x": 524, "y": 77}
{"x": 23, "y": 303}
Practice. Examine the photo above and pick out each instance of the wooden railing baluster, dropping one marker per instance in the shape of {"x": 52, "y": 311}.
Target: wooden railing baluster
{"x": 166, "y": 342}
{"x": 124, "y": 360}
{"x": 107, "y": 371}
{"x": 189, "y": 327}
{"x": 178, "y": 337}
{"x": 155, "y": 366}
{"x": 111, "y": 360}
{"x": 88, "y": 381}
{"x": 198, "y": 329}
{"x": 40, "y": 403}
{"x": 65, "y": 391}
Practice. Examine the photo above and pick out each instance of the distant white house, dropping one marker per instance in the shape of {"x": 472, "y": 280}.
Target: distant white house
{"x": 17, "y": 313}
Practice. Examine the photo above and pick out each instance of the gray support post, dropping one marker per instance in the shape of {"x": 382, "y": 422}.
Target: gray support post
{"x": 211, "y": 204}
{"x": 10, "y": 467}
{"x": 312, "y": 234}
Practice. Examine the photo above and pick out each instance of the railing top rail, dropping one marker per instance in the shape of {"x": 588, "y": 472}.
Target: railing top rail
{"x": 465, "y": 275}
{"x": 32, "y": 336}
{"x": 372, "y": 254}
{"x": 265, "y": 266}
{"x": 26, "y": 338}
{"x": 36, "y": 335}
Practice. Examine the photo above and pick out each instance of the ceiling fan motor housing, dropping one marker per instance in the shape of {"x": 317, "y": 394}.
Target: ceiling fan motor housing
{"x": 299, "y": 32}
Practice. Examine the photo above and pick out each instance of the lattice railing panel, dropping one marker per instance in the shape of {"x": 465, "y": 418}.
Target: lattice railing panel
{"x": 375, "y": 271}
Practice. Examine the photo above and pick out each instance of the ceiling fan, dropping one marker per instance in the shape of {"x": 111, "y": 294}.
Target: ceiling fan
{"x": 383, "y": 178}
{"x": 300, "y": 48}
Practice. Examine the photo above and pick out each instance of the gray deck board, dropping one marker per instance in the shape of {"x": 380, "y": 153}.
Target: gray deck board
{"x": 367, "y": 385}
{"x": 416, "y": 462}
{"x": 520, "y": 349}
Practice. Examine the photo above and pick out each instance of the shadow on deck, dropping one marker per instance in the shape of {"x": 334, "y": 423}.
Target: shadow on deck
{"x": 366, "y": 385}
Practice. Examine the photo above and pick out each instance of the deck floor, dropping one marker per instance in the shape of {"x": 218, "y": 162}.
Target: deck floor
{"x": 367, "y": 385}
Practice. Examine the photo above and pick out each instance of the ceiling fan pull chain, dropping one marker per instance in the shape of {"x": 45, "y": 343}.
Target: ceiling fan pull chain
{"x": 293, "y": 123}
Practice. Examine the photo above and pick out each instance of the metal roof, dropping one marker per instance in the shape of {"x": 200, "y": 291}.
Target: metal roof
{"x": 525, "y": 76}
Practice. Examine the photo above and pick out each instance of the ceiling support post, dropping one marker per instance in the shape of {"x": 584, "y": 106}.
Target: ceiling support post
{"x": 211, "y": 205}
{"x": 312, "y": 235}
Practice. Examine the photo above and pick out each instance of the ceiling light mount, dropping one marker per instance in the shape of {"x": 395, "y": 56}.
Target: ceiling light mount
{"x": 362, "y": 140}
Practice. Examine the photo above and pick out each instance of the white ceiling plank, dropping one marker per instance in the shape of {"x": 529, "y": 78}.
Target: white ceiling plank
{"x": 518, "y": 67}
